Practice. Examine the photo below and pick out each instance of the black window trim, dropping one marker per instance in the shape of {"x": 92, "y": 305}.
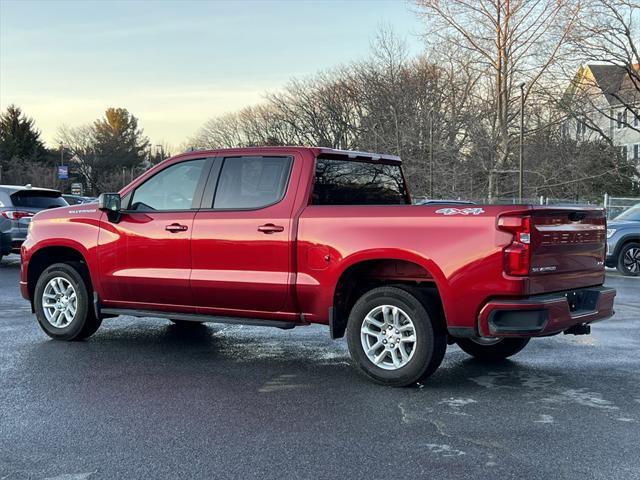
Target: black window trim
{"x": 211, "y": 188}
{"x": 197, "y": 196}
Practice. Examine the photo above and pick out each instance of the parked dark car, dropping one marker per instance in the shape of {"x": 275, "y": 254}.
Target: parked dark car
{"x": 446, "y": 202}
{"x": 78, "y": 199}
{"x": 17, "y": 205}
{"x": 623, "y": 242}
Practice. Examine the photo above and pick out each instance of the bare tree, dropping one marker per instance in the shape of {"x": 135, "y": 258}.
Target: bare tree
{"x": 514, "y": 41}
{"x": 79, "y": 141}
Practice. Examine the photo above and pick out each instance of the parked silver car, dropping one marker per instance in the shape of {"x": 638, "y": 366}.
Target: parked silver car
{"x": 623, "y": 242}
{"x": 17, "y": 206}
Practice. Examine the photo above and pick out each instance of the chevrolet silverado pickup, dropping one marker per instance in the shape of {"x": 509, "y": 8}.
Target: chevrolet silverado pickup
{"x": 292, "y": 236}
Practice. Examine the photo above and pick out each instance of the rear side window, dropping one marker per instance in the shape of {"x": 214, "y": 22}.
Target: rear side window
{"x": 340, "y": 182}
{"x": 36, "y": 199}
{"x": 252, "y": 182}
{"x": 171, "y": 189}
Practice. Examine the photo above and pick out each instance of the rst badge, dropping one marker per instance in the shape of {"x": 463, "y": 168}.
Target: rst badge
{"x": 460, "y": 211}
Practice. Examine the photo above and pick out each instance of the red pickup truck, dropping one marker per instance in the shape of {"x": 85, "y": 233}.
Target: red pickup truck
{"x": 290, "y": 236}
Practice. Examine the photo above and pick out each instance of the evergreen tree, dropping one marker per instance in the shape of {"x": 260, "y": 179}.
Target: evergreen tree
{"x": 19, "y": 138}
{"x": 119, "y": 143}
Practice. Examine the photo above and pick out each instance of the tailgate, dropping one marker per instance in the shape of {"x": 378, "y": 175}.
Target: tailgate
{"x": 568, "y": 247}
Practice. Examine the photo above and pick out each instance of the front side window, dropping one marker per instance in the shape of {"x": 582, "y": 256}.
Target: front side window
{"x": 340, "y": 182}
{"x": 171, "y": 189}
{"x": 252, "y": 182}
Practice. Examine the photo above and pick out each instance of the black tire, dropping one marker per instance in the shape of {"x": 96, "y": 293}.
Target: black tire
{"x": 431, "y": 339}
{"x": 84, "y": 322}
{"x": 185, "y": 323}
{"x": 505, "y": 348}
{"x": 630, "y": 252}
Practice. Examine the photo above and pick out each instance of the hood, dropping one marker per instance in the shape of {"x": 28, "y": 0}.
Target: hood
{"x": 82, "y": 210}
{"x": 623, "y": 224}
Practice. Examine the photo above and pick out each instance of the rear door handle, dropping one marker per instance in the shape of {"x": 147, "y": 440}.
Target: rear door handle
{"x": 176, "y": 227}
{"x": 270, "y": 228}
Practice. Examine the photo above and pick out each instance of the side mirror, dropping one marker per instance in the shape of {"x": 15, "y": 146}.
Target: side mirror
{"x": 110, "y": 202}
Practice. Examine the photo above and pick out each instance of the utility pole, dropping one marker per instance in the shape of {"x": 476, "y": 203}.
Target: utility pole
{"x": 521, "y": 167}
{"x": 375, "y": 137}
{"x": 431, "y": 154}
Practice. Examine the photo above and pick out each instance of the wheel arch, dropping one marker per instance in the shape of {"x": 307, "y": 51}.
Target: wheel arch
{"x": 626, "y": 238}
{"x": 46, "y": 256}
{"x": 621, "y": 244}
{"x": 369, "y": 270}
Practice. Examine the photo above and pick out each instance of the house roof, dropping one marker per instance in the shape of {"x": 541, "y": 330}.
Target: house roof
{"x": 614, "y": 83}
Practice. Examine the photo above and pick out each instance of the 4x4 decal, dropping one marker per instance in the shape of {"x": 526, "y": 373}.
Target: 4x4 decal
{"x": 460, "y": 211}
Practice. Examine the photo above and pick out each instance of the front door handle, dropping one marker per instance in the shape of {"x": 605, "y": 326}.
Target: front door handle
{"x": 176, "y": 227}
{"x": 270, "y": 228}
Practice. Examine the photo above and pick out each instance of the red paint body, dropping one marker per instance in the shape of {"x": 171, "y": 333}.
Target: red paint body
{"x": 223, "y": 265}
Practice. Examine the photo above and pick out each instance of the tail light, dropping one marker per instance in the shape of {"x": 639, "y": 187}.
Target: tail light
{"x": 517, "y": 255}
{"x": 15, "y": 214}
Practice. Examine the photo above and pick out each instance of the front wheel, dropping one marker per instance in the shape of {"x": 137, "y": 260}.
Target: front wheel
{"x": 629, "y": 259}
{"x": 61, "y": 301}
{"x": 392, "y": 337}
{"x": 492, "y": 349}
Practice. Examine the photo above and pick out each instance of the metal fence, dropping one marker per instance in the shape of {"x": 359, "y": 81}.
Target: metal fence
{"x": 541, "y": 200}
{"x": 616, "y": 205}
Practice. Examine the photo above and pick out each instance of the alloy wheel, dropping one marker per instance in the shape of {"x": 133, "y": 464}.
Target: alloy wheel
{"x": 388, "y": 337}
{"x": 631, "y": 260}
{"x": 59, "y": 302}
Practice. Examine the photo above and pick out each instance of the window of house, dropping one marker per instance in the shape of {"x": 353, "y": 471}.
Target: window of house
{"x": 170, "y": 189}
{"x": 622, "y": 119}
{"x": 624, "y": 151}
{"x": 636, "y": 151}
{"x": 581, "y": 126}
{"x": 252, "y": 182}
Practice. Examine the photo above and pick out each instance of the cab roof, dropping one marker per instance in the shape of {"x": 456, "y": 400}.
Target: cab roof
{"x": 317, "y": 151}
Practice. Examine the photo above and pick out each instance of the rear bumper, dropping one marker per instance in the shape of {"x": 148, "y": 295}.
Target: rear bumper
{"x": 11, "y": 241}
{"x": 542, "y": 315}
{"x": 5, "y": 243}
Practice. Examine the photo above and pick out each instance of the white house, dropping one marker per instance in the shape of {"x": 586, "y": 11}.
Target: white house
{"x": 603, "y": 100}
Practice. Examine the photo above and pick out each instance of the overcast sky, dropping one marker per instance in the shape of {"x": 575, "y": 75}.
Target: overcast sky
{"x": 174, "y": 64}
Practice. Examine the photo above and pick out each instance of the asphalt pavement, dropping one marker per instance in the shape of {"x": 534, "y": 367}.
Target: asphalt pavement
{"x": 143, "y": 398}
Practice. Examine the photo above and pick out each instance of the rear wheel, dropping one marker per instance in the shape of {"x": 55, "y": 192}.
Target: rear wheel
{"x": 629, "y": 259}
{"x": 393, "y": 338}
{"x": 61, "y": 302}
{"x": 492, "y": 348}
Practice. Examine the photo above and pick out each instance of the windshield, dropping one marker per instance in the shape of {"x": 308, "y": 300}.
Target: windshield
{"x": 633, "y": 214}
